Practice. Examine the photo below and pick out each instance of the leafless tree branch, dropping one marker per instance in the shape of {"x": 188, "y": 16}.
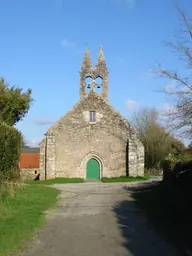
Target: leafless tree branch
{"x": 181, "y": 115}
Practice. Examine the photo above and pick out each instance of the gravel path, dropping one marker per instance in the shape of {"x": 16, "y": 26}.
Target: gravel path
{"x": 95, "y": 219}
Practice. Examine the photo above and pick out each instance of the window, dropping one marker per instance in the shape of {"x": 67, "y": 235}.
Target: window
{"x": 92, "y": 116}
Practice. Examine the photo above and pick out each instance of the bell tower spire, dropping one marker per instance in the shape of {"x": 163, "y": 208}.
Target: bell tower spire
{"x": 87, "y": 63}
{"x": 101, "y": 57}
{"x": 101, "y": 71}
{"x": 85, "y": 72}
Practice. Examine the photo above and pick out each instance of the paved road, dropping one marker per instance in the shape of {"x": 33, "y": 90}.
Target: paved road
{"x": 97, "y": 220}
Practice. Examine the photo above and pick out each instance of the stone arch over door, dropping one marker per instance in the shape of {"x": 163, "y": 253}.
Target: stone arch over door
{"x": 86, "y": 158}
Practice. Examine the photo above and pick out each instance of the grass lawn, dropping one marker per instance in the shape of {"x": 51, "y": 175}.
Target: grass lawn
{"x": 125, "y": 179}
{"x": 170, "y": 212}
{"x": 22, "y": 214}
{"x": 56, "y": 181}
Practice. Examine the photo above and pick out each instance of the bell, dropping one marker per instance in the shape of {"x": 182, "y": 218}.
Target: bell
{"x": 88, "y": 86}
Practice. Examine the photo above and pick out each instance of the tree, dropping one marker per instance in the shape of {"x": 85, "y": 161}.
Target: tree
{"x": 180, "y": 114}
{"x": 14, "y": 103}
{"x": 157, "y": 141}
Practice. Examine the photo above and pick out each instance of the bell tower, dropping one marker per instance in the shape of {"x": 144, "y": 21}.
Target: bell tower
{"x": 94, "y": 78}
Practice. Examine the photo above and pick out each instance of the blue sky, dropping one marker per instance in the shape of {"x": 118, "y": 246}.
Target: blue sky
{"x": 43, "y": 41}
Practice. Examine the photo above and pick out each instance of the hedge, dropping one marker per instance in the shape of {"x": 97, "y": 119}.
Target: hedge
{"x": 180, "y": 175}
{"x": 10, "y": 149}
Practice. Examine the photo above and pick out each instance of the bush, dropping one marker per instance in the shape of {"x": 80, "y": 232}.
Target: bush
{"x": 177, "y": 171}
{"x": 181, "y": 158}
{"x": 10, "y": 149}
{"x": 7, "y": 189}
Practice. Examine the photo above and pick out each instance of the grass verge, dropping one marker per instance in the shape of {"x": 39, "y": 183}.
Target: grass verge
{"x": 169, "y": 211}
{"x": 56, "y": 181}
{"x": 125, "y": 179}
{"x": 21, "y": 214}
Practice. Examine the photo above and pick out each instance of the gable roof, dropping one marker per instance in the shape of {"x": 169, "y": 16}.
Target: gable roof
{"x": 81, "y": 101}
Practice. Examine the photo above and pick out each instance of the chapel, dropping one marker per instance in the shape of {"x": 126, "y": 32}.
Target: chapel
{"x": 92, "y": 140}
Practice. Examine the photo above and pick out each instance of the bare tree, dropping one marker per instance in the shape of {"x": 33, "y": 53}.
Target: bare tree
{"x": 157, "y": 141}
{"x": 180, "y": 114}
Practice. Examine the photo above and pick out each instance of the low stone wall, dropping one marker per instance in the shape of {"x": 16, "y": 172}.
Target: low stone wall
{"x": 30, "y": 173}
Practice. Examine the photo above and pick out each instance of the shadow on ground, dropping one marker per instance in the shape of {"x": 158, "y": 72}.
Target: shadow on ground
{"x": 155, "y": 221}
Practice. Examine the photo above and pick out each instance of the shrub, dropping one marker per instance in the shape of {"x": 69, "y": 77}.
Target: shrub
{"x": 181, "y": 158}
{"x": 10, "y": 149}
{"x": 177, "y": 170}
{"x": 7, "y": 189}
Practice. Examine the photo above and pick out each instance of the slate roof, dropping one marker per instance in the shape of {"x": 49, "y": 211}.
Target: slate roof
{"x": 30, "y": 150}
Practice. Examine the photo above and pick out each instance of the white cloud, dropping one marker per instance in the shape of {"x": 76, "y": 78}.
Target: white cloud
{"x": 174, "y": 87}
{"x": 166, "y": 111}
{"x": 72, "y": 46}
{"x": 65, "y": 43}
{"x": 131, "y": 104}
{"x": 44, "y": 121}
{"x": 170, "y": 87}
{"x": 168, "y": 108}
{"x": 33, "y": 142}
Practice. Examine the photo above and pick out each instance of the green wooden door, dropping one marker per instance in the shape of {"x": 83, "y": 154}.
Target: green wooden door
{"x": 93, "y": 170}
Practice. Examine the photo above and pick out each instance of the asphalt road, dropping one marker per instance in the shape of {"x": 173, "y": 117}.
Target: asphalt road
{"x": 95, "y": 219}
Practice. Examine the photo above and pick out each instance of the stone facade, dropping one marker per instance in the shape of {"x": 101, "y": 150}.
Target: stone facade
{"x": 75, "y": 138}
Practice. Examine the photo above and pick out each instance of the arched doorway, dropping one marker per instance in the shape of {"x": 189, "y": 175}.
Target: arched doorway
{"x": 93, "y": 169}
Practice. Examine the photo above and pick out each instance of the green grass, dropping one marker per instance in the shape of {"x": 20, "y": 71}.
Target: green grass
{"x": 125, "y": 179}
{"x": 21, "y": 214}
{"x": 56, "y": 181}
{"x": 170, "y": 212}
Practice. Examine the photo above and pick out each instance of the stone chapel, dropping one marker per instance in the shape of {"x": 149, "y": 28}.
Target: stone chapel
{"x": 92, "y": 140}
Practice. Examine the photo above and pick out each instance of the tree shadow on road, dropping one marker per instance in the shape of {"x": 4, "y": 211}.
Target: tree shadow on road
{"x": 140, "y": 238}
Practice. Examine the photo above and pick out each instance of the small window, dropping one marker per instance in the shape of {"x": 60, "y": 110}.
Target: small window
{"x": 92, "y": 116}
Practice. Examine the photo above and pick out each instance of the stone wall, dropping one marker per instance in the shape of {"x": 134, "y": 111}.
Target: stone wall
{"x": 51, "y": 156}
{"x": 29, "y": 173}
{"x": 135, "y": 158}
{"x": 43, "y": 159}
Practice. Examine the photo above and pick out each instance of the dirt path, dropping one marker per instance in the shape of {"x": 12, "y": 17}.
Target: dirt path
{"x": 97, "y": 220}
